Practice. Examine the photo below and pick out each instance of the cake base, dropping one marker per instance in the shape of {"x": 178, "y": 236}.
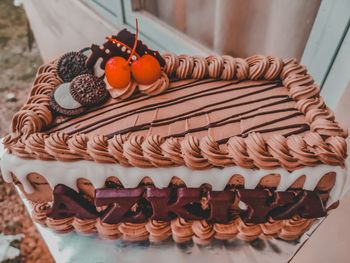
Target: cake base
{"x": 180, "y": 230}
{"x": 275, "y": 249}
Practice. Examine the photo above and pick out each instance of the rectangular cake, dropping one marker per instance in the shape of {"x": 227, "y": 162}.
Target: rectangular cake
{"x": 120, "y": 141}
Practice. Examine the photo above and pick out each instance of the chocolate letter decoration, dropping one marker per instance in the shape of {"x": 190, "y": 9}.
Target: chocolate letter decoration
{"x": 307, "y": 204}
{"x": 164, "y": 210}
{"x": 120, "y": 202}
{"x": 139, "y": 204}
{"x": 220, "y": 203}
{"x": 260, "y": 203}
{"x": 68, "y": 203}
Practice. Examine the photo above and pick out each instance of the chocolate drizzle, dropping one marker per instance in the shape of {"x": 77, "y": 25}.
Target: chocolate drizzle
{"x": 113, "y": 105}
{"x": 130, "y": 109}
{"x": 137, "y": 205}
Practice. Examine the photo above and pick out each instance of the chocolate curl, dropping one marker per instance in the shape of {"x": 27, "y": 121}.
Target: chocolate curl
{"x": 187, "y": 204}
{"x": 120, "y": 202}
{"x": 307, "y": 204}
{"x": 68, "y": 203}
{"x": 260, "y": 203}
{"x": 220, "y": 203}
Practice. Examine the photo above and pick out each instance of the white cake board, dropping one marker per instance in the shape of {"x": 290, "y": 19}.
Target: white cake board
{"x": 76, "y": 248}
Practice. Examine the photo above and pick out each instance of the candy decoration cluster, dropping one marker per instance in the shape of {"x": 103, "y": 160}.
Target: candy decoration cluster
{"x": 124, "y": 69}
{"x": 145, "y": 70}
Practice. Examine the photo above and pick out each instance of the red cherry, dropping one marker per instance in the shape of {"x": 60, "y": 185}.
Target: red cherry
{"x": 146, "y": 70}
{"x": 117, "y": 72}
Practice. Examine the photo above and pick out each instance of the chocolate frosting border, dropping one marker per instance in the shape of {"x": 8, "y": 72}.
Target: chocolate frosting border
{"x": 324, "y": 143}
{"x": 181, "y": 230}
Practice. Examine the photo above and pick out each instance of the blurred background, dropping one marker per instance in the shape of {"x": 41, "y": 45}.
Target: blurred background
{"x": 35, "y": 31}
{"x": 19, "y": 59}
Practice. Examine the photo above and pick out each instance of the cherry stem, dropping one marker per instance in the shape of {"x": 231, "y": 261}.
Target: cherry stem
{"x": 135, "y": 42}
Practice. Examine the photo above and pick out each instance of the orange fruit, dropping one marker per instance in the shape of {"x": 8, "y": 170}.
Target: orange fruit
{"x": 146, "y": 70}
{"x": 117, "y": 72}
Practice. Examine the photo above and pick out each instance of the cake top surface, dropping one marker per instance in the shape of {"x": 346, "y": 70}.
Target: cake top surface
{"x": 209, "y": 107}
{"x": 168, "y": 110}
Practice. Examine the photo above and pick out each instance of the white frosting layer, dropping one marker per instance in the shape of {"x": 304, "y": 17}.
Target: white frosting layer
{"x": 57, "y": 172}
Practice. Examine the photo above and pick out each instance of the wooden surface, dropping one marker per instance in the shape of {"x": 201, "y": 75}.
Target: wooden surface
{"x": 57, "y": 30}
{"x": 109, "y": 9}
{"x": 64, "y": 25}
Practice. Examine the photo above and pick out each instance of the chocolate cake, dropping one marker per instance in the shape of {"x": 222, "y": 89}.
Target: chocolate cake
{"x": 146, "y": 146}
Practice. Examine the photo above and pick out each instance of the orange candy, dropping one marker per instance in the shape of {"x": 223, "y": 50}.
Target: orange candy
{"x": 146, "y": 70}
{"x": 117, "y": 72}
